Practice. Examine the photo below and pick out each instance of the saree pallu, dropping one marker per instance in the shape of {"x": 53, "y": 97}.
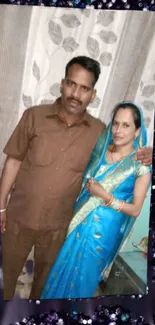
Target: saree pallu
{"x": 96, "y": 233}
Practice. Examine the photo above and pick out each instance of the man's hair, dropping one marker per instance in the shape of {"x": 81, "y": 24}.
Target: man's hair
{"x": 87, "y": 63}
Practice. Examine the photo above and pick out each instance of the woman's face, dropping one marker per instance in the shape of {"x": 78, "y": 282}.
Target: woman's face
{"x": 124, "y": 130}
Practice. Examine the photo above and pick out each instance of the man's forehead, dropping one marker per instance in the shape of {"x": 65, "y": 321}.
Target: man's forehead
{"x": 79, "y": 82}
{"x": 78, "y": 69}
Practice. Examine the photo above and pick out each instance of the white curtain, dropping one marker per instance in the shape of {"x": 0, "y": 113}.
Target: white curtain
{"x": 114, "y": 38}
{"x": 37, "y": 42}
{"x": 14, "y": 29}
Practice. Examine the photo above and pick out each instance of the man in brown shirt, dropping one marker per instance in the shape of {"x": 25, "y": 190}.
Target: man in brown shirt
{"x": 46, "y": 158}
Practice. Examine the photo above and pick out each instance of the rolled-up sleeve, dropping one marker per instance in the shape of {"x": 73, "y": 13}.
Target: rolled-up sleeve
{"x": 18, "y": 143}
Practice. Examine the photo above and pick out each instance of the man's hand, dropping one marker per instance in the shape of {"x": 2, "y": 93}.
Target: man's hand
{"x": 144, "y": 155}
{"x": 9, "y": 174}
{"x": 3, "y": 221}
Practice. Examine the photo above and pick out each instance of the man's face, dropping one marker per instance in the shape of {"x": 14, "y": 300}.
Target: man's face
{"x": 77, "y": 90}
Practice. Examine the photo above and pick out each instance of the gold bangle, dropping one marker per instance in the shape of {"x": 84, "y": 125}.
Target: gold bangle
{"x": 117, "y": 204}
{"x": 110, "y": 201}
{"x": 120, "y": 207}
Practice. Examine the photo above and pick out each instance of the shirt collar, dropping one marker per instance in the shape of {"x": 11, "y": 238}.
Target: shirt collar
{"x": 55, "y": 111}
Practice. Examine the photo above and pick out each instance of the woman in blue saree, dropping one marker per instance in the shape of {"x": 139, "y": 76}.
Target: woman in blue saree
{"x": 113, "y": 191}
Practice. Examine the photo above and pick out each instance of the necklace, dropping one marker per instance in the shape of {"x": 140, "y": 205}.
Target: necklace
{"x": 120, "y": 157}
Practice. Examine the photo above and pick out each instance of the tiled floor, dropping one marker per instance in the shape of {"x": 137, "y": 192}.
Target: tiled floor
{"x": 24, "y": 281}
{"x": 119, "y": 281}
{"x": 137, "y": 262}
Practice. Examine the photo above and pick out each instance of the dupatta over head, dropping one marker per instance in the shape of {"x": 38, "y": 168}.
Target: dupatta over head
{"x": 105, "y": 140}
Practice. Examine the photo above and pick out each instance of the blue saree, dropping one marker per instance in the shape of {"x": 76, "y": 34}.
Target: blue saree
{"x": 96, "y": 232}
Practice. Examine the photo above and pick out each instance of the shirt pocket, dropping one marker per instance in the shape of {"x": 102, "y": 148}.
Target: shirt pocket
{"x": 79, "y": 156}
{"x": 42, "y": 150}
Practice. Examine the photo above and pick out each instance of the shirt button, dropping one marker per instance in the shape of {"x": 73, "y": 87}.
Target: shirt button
{"x": 50, "y": 188}
{"x": 57, "y": 168}
{"x": 62, "y": 149}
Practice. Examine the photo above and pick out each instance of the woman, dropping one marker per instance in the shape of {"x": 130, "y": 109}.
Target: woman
{"x": 109, "y": 203}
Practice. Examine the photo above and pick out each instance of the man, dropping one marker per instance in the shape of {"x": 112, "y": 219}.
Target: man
{"x": 46, "y": 158}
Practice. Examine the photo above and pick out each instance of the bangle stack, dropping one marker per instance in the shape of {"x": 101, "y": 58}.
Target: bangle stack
{"x": 121, "y": 204}
{"x": 110, "y": 201}
{"x": 115, "y": 204}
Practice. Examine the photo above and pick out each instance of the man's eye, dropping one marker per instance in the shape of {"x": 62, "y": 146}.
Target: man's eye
{"x": 115, "y": 123}
{"x": 85, "y": 88}
{"x": 69, "y": 82}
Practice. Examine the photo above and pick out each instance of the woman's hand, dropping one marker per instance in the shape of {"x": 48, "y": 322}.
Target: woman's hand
{"x": 95, "y": 188}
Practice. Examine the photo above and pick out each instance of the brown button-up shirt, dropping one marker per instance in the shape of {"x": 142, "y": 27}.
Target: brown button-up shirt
{"x": 54, "y": 157}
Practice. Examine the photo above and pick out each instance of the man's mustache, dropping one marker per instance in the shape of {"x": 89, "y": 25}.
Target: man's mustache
{"x": 74, "y": 99}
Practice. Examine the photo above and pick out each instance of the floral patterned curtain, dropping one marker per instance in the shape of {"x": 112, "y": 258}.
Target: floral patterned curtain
{"x": 113, "y": 38}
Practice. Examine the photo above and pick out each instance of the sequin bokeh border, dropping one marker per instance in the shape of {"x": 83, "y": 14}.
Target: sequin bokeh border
{"x": 135, "y": 310}
{"x": 96, "y": 4}
{"x": 115, "y": 315}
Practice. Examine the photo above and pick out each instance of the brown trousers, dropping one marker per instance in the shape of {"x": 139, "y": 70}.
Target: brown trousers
{"x": 17, "y": 243}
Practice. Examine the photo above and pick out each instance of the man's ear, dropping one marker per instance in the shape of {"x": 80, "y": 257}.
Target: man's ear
{"x": 93, "y": 96}
{"x": 61, "y": 85}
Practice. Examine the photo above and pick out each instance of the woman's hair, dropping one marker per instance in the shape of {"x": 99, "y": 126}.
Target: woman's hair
{"x": 133, "y": 108}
